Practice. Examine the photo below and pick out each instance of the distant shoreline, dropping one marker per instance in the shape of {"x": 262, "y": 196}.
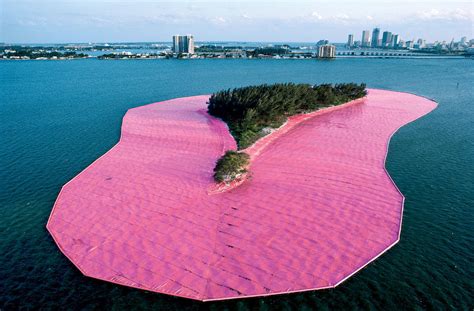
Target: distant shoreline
{"x": 246, "y": 58}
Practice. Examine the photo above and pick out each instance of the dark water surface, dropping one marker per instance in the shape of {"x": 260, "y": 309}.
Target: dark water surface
{"x": 56, "y": 117}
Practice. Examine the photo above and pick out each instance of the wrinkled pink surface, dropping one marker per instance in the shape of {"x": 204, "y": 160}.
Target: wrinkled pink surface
{"x": 318, "y": 207}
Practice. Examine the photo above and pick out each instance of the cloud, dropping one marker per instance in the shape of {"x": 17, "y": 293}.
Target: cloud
{"x": 219, "y": 20}
{"x": 71, "y": 20}
{"x": 316, "y": 15}
{"x": 341, "y": 17}
{"x": 33, "y": 21}
{"x": 24, "y": 22}
{"x": 453, "y": 15}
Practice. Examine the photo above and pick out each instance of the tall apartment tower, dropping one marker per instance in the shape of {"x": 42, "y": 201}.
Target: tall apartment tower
{"x": 183, "y": 44}
{"x": 386, "y": 39}
{"x": 350, "y": 41}
{"x": 190, "y": 44}
{"x": 422, "y": 43}
{"x": 394, "y": 43}
{"x": 366, "y": 38}
{"x": 375, "y": 37}
{"x": 327, "y": 51}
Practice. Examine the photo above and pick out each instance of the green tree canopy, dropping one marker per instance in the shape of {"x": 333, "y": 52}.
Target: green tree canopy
{"x": 249, "y": 110}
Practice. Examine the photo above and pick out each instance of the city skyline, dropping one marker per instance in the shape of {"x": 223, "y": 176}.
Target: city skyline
{"x": 55, "y": 21}
{"x": 389, "y": 40}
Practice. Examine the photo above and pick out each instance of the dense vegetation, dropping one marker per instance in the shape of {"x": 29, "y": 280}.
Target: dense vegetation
{"x": 231, "y": 165}
{"x": 250, "y": 112}
{"x": 269, "y": 51}
{"x": 33, "y": 53}
{"x": 216, "y": 48}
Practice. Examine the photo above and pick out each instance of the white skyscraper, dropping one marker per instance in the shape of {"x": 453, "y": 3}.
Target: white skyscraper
{"x": 366, "y": 38}
{"x": 421, "y": 43}
{"x": 350, "y": 41}
{"x": 394, "y": 43}
{"x": 327, "y": 51}
{"x": 183, "y": 44}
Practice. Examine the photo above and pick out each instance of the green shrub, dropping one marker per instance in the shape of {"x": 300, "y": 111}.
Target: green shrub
{"x": 248, "y": 110}
{"x": 230, "y": 166}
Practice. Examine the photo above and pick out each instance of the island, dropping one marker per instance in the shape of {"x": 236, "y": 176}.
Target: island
{"x": 318, "y": 208}
{"x": 38, "y": 53}
{"x": 255, "y": 111}
{"x": 130, "y": 55}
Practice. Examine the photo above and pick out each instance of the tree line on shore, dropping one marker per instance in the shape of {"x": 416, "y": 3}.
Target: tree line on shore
{"x": 250, "y": 111}
{"x": 34, "y": 54}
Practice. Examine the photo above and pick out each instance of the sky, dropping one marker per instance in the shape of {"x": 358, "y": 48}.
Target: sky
{"x": 60, "y": 21}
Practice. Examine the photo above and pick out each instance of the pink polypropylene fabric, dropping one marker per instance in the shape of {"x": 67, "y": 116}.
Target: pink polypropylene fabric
{"x": 318, "y": 207}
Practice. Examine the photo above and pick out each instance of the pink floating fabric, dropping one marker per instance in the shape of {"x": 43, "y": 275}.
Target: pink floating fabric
{"x": 318, "y": 207}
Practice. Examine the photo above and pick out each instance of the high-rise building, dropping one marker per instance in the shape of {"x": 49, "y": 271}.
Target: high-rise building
{"x": 394, "y": 42}
{"x": 190, "y": 44}
{"x": 327, "y": 51}
{"x": 386, "y": 39}
{"x": 183, "y": 44}
{"x": 366, "y": 38}
{"x": 175, "y": 43}
{"x": 421, "y": 43}
{"x": 375, "y": 37}
{"x": 350, "y": 41}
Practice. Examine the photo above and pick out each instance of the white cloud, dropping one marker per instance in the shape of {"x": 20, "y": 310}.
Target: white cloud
{"x": 316, "y": 15}
{"x": 342, "y": 17}
{"x": 212, "y": 19}
{"x": 219, "y": 20}
{"x": 453, "y": 15}
{"x": 33, "y": 21}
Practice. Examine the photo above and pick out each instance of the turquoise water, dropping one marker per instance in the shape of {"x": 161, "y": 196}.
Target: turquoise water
{"x": 56, "y": 117}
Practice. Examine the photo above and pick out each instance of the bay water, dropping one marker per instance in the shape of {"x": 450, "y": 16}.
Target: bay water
{"x": 56, "y": 117}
